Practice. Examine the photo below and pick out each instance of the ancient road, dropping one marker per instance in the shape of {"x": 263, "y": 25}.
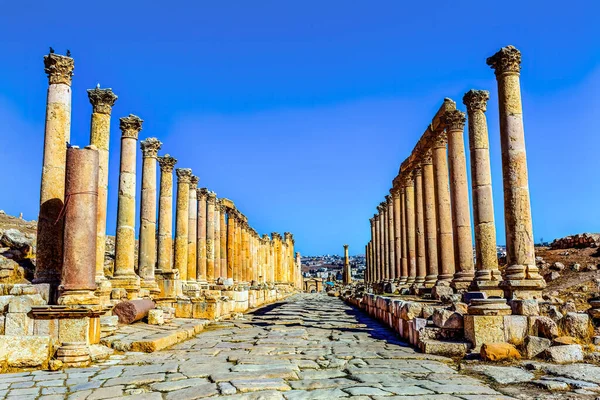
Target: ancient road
{"x": 308, "y": 347}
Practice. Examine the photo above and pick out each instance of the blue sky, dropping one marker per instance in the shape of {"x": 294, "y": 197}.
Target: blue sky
{"x": 301, "y": 112}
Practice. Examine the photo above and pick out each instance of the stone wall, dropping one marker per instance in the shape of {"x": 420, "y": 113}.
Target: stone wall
{"x": 581, "y": 240}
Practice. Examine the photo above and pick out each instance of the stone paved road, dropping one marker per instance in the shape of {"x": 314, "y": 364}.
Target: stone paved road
{"x": 308, "y": 347}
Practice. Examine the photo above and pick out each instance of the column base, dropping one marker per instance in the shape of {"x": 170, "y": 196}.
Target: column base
{"x": 150, "y": 285}
{"x": 74, "y": 355}
{"x": 523, "y": 289}
{"x": 489, "y": 307}
{"x": 77, "y": 297}
{"x": 103, "y": 289}
{"x": 410, "y": 280}
{"x": 131, "y": 284}
{"x": 490, "y": 287}
{"x": 430, "y": 281}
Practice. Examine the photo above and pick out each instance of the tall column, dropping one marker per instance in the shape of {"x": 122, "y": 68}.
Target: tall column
{"x": 184, "y": 177}
{"x": 347, "y": 274}
{"x": 521, "y": 276}
{"x": 459, "y": 195}
{"x": 420, "y": 227}
{"x": 409, "y": 204}
{"x": 79, "y": 268}
{"x": 380, "y": 261}
{"x": 223, "y": 243}
{"x": 245, "y": 254}
{"x": 201, "y": 196}
{"x": 217, "y": 245}
{"x": 165, "y": 228}
{"x": 431, "y": 244}
{"x": 397, "y": 226}
{"x": 124, "y": 275}
{"x": 403, "y": 239}
{"x": 230, "y": 244}
{"x": 386, "y": 241}
{"x": 299, "y": 267}
{"x": 372, "y": 263}
{"x": 102, "y": 101}
{"x": 147, "y": 239}
{"x": 49, "y": 255}
{"x": 443, "y": 210}
{"x": 211, "y": 201}
{"x": 391, "y": 238}
{"x": 487, "y": 276}
{"x": 192, "y": 258}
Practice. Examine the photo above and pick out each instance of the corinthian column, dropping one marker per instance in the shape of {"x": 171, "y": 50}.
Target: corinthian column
{"x": 443, "y": 210}
{"x": 211, "y": 201}
{"x": 391, "y": 238}
{"x": 372, "y": 252}
{"x": 397, "y": 226}
{"x": 521, "y": 276}
{"x": 147, "y": 240}
{"x": 217, "y": 242}
{"x": 420, "y": 228}
{"x": 165, "y": 227}
{"x": 223, "y": 242}
{"x": 409, "y": 204}
{"x": 403, "y": 239}
{"x": 102, "y": 101}
{"x": 230, "y": 244}
{"x": 124, "y": 275}
{"x": 201, "y": 195}
{"x": 487, "y": 275}
{"x": 192, "y": 258}
{"x": 57, "y": 134}
{"x": 347, "y": 275}
{"x": 430, "y": 219}
{"x": 184, "y": 177}
{"x": 459, "y": 194}
{"x": 380, "y": 248}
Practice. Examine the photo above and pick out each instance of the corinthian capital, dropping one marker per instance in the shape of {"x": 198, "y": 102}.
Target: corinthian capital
{"x": 184, "y": 175}
{"x": 102, "y": 100}
{"x": 167, "y": 163}
{"x": 506, "y": 61}
{"x": 407, "y": 180}
{"x": 150, "y": 147}
{"x": 439, "y": 139}
{"x": 59, "y": 68}
{"x": 211, "y": 197}
{"x": 131, "y": 126}
{"x": 194, "y": 182}
{"x": 454, "y": 120}
{"x": 426, "y": 157}
{"x": 476, "y": 100}
{"x": 202, "y": 193}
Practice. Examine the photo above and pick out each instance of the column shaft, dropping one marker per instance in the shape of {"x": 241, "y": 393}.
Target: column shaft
{"x": 210, "y": 237}
{"x": 223, "y": 231}
{"x": 430, "y": 220}
{"x": 201, "y": 195}
{"x": 184, "y": 176}
{"x": 403, "y": 238}
{"x": 192, "y": 259}
{"x": 420, "y": 228}
{"x": 409, "y": 203}
{"x": 391, "y": 239}
{"x": 397, "y": 235}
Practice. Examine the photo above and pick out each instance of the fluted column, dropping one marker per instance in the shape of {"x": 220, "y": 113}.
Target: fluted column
{"x": 184, "y": 177}
{"x": 201, "y": 195}
{"x": 211, "y": 201}
{"x": 443, "y": 210}
{"x": 391, "y": 238}
{"x": 50, "y": 228}
{"x": 409, "y": 204}
{"x": 165, "y": 214}
{"x": 431, "y": 244}
{"x": 217, "y": 243}
{"x": 192, "y": 258}
{"x": 124, "y": 275}
{"x": 230, "y": 244}
{"x": 487, "y": 276}
{"x": 521, "y": 276}
{"x": 102, "y": 101}
{"x": 147, "y": 238}
{"x": 459, "y": 195}
{"x": 223, "y": 242}
{"x": 403, "y": 239}
{"x": 397, "y": 222}
{"x": 420, "y": 227}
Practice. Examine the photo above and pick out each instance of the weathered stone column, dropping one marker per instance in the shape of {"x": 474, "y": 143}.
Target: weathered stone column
{"x": 347, "y": 274}
{"x": 487, "y": 276}
{"x": 380, "y": 254}
{"x": 246, "y": 253}
{"x": 403, "y": 239}
{"x": 50, "y": 228}
{"x": 391, "y": 238}
{"x": 217, "y": 245}
{"x": 386, "y": 240}
{"x": 299, "y": 267}
{"x": 372, "y": 264}
{"x": 164, "y": 271}
{"x": 230, "y": 244}
{"x": 443, "y": 210}
{"x": 102, "y": 101}
{"x": 211, "y": 201}
{"x": 278, "y": 261}
{"x": 431, "y": 244}
{"x": 201, "y": 195}
{"x": 459, "y": 195}
{"x": 409, "y": 204}
{"x": 124, "y": 275}
{"x": 79, "y": 268}
{"x": 223, "y": 242}
{"x": 147, "y": 239}
{"x": 184, "y": 177}
{"x": 397, "y": 221}
{"x": 521, "y": 276}
{"x": 192, "y": 258}
{"x": 420, "y": 227}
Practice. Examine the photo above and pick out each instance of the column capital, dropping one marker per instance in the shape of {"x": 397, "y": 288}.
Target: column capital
{"x": 102, "y": 100}
{"x": 506, "y": 61}
{"x": 476, "y": 100}
{"x": 407, "y": 180}
{"x": 395, "y": 192}
{"x": 184, "y": 175}
{"x": 372, "y": 221}
{"x": 426, "y": 157}
{"x": 380, "y": 207}
{"x": 222, "y": 206}
{"x": 375, "y": 217}
{"x": 202, "y": 193}
{"x": 211, "y": 197}
{"x": 130, "y": 126}
{"x": 59, "y": 68}
{"x": 150, "y": 147}
{"x": 346, "y": 247}
{"x": 439, "y": 139}
{"x": 388, "y": 199}
{"x": 417, "y": 171}
{"x": 266, "y": 238}
{"x": 454, "y": 120}
{"x": 194, "y": 182}
{"x": 276, "y": 236}
{"x": 166, "y": 163}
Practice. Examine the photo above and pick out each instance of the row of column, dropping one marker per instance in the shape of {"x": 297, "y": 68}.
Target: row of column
{"x": 421, "y": 235}
{"x": 213, "y": 241}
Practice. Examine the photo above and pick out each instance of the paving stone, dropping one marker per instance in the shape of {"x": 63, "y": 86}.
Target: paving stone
{"x": 194, "y": 392}
{"x": 366, "y": 391}
{"x": 504, "y": 375}
{"x": 318, "y": 394}
{"x": 253, "y": 385}
{"x": 106, "y": 393}
{"x": 226, "y": 388}
{"x": 178, "y": 384}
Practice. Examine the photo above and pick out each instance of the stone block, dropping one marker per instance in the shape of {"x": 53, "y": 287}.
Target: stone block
{"x": 25, "y": 351}
{"x": 410, "y": 310}
{"x": 22, "y": 304}
{"x": 72, "y": 330}
{"x": 544, "y": 327}
{"x": 438, "y": 291}
{"x": 535, "y": 346}
{"x": 480, "y": 329}
{"x": 444, "y": 348}
{"x": 447, "y": 319}
{"x": 183, "y": 309}
{"x": 565, "y": 354}
{"x": 577, "y": 325}
{"x": 515, "y": 329}
{"x": 2, "y": 322}
{"x": 155, "y": 317}
{"x": 18, "y": 324}
{"x": 45, "y": 327}
{"x": 499, "y": 352}
{"x": 4, "y": 302}
{"x": 468, "y": 296}
{"x": 525, "y": 307}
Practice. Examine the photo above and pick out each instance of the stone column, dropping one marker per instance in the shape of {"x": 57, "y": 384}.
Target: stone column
{"x": 487, "y": 276}
{"x": 184, "y": 177}
{"x": 521, "y": 276}
{"x": 403, "y": 239}
{"x": 378, "y": 240}
{"x": 397, "y": 238}
{"x": 409, "y": 205}
{"x": 386, "y": 240}
{"x": 347, "y": 273}
{"x": 79, "y": 267}
{"x": 165, "y": 227}
{"x": 223, "y": 242}
{"x": 372, "y": 264}
{"x": 211, "y": 201}
{"x": 230, "y": 244}
{"x": 299, "y": 267}
{"x": 443, "y": 210}
{"x": 124, "y": 275}
{"x": 217, "y": 244}
{"x": 147, "y": 238}
{"x": 431, "y": 244}
{"x": 192, "y": 258}
{"x": 49, "y": 255}
{"x": 420, "y": 228}
{"x": 459, "y": 195}
{"x": 391, "y": 238}
{"x": 201, "y": 195}
{"x": 102, "y": 101}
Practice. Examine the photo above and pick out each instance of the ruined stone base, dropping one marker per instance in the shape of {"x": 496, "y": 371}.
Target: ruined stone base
{"x": 130, "y": 283}
{"x": 523, "y": 289}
